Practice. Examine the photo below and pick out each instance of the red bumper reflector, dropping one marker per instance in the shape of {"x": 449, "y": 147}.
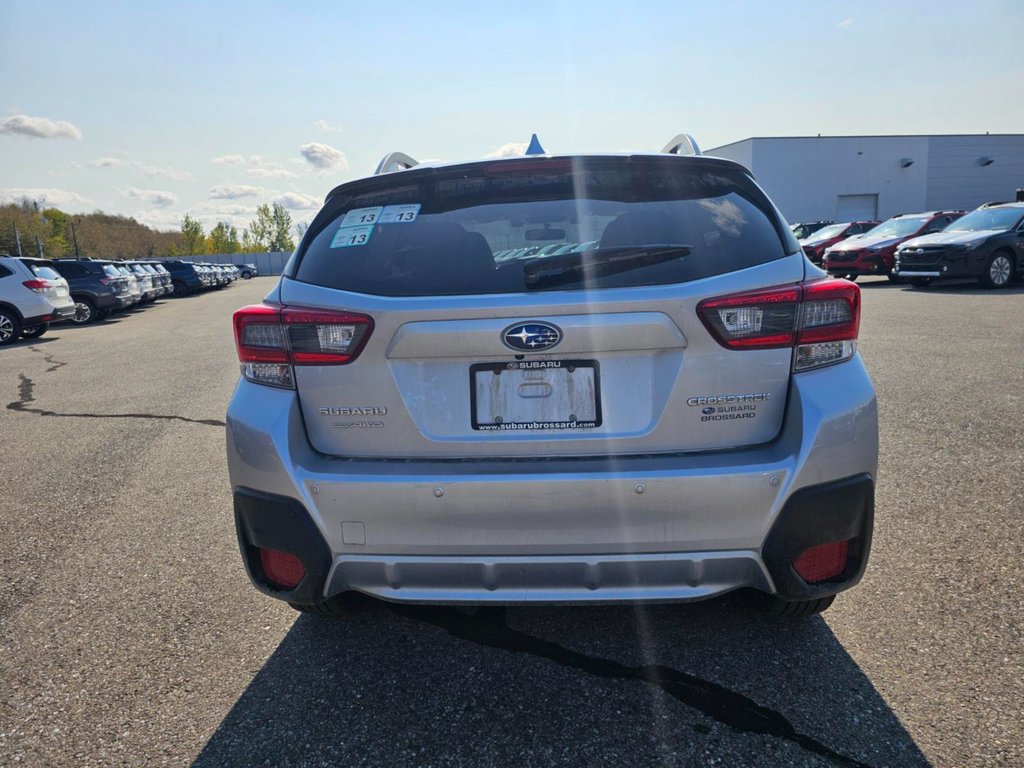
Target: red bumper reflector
{"x": 823, "y": 562}
{"x": 282, "y": 569}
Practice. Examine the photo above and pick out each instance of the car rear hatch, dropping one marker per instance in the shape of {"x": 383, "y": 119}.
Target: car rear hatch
{"x": 421, "y": 346}
{"x": 51, "y": 285}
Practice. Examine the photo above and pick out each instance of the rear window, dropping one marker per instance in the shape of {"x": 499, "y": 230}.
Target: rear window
{"x": 110, "y": 270}
{"x": 528, "y": 225}
{"x": 42, "y": 270}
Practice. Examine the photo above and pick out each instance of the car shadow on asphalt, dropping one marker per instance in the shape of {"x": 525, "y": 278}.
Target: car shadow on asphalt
{"x": 666, "y": 685}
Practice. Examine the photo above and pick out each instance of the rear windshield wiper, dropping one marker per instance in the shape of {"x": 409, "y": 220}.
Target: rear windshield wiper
{"x": 600, "y": 262}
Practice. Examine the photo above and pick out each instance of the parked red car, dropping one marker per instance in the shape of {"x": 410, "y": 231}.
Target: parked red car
{"x": 872, "y": 253}
{"x": 814, "y": 245}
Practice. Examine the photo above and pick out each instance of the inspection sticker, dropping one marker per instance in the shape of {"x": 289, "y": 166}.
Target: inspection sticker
{"x": 348, "y": 237}
{"x": 399, "y": 214}
{"x": 361, "y": 216}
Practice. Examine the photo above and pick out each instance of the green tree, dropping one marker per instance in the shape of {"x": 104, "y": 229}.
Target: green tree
{"x": 195, "y": 239}
{"x": 270, "y": 230}
{"x": 281, "y": 229}
{"x": 224, "y": 239}
{"x": 257, "y": 236}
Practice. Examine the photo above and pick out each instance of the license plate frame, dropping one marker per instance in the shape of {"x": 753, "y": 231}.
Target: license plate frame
{"x": 569, "y": 367}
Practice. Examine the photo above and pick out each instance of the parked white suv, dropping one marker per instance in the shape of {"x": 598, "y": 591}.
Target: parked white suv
{"x": 32, "y": 295}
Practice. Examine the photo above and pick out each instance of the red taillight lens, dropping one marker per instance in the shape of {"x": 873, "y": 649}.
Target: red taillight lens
{"x": 39, "y": 286}
{"x": 820, "y": 319}
{"x": 753, "y": 320}
{"x": 830, "y": 311}
{"x": 282, "y": 569}
{"x": 823, "y": 562}
{"x": 270, "y": 340}
{"x": 316, "y": 337}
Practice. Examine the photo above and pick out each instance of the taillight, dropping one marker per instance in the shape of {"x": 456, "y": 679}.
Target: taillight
{"x": 823, "y": 562}
{"x": 39, "y": 286}
{"x": 281, "y": 569}
{"x": 820, "y": 320}
{"x": 829, "y": 324}
{"x": 271, "y": 340}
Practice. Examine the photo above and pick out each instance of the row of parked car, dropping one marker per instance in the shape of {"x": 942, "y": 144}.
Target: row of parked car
{"x": 36, "y": 293}
{"x": 986, "y": 244}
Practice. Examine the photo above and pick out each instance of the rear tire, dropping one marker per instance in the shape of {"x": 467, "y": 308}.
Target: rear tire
{"x": 896, "y": 279}
{"x": 10, "y": 327}
{"x": 181, "y": 290}
{"x": 789, "y": 609}
{"x": 336, "y": 607}
{"x": 921, "y": 282}
{"x": 999, "y": 270}
{"x": 35, "y": 331}
{"x": 851, "y": 277}
{"x": 85, "y": 311}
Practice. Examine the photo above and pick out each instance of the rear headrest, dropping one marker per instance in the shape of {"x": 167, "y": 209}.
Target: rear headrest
{"x": 639, "y": 228}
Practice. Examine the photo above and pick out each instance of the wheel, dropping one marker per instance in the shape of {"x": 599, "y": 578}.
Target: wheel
{"x": 998, "y": 270}
{"x": 181, "y": 290}
{"x": 789, "y": 609}
{"x": 85, "y": 311}
{"x": 35, "y": 331}
{"x": 246, "y": 275}
{"x": 336, "y": 607}
{"x": 921, "y": 282}
{"x": 852, "y": 277}
{"x": 10, "y": 327}
{"x": 894, "y": 278}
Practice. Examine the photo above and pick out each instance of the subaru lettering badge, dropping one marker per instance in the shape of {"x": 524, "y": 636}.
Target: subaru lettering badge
{"x": 531, "y": 337}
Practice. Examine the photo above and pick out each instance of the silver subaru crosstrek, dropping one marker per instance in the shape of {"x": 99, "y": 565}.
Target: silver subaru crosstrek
{"x": 673, "y": 410}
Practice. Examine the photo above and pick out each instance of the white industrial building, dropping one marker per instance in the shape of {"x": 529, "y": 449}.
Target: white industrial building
{"x": 851, "y": 178}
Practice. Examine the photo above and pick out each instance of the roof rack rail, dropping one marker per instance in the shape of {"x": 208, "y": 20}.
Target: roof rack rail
{"x": 395, "y": 161}
{"x": 995, "y": 202}
{"x": 683, "y": 144}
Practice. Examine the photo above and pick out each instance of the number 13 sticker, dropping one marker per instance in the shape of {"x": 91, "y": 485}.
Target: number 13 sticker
{"x": 349, "y": 237}
{"x": 362, "y": 216}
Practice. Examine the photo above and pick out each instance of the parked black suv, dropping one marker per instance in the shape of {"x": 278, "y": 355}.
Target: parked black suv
{"x": 987, "y": 244}
{"x": 96, "y": 287}
{"x": 185, "y": 279}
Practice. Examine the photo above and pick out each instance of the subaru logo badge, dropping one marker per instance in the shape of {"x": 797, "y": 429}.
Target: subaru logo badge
{"x": 531, "y": 337}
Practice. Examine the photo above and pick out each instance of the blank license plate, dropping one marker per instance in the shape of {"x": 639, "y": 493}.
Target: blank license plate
{"x": 536, "y": 394}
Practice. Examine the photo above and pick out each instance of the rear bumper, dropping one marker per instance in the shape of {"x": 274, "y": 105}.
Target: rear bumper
{"x": 643, "y": 528}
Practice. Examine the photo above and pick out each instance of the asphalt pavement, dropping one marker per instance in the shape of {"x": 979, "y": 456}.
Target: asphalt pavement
{"x": 129, "y": 634}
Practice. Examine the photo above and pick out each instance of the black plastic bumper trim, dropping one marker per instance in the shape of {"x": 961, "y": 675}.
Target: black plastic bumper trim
{"x": 820, "y": 514}
{"x": 269, "y": 521}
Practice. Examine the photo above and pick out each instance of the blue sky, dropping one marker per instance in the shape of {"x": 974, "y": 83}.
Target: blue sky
{"x": 157, "y": 109}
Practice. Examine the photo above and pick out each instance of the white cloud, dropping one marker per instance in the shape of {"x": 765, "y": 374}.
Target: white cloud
{"x": 59, "y": 198}
{"x": 297, "y": 201}
{"x": 103, "y": 162}
{"x": 512, "y": 149}
{"x": 152, "y": 171}
{"x": 152, "y": 196}
{"x": 167, "y": 173}
{"x": 256, "y": 166}
{"x": 235, "y": 191}
{"x": 228, "y": 160}
{"x": 846, "y": 23}
{"x": 323, "y": 157}
{"x": 323, "y": 125}
{"x": 40, "y": 128}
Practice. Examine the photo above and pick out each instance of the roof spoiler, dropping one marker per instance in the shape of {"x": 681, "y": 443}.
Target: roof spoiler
{"x": 395, "y": 161}
{"x": 683, "y": 144}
